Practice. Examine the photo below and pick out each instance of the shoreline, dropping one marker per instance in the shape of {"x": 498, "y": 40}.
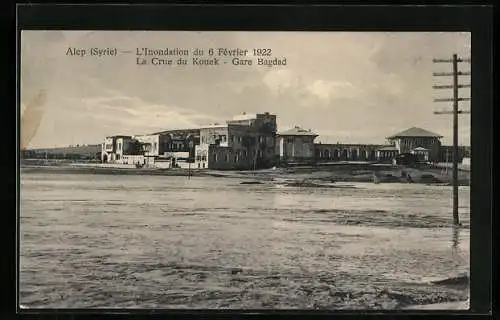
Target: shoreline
{"x": 345, "y": 173}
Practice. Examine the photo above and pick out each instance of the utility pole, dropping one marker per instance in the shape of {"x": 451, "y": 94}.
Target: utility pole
{"x": 455, "y": 112}
{"x": 191, "y": 151}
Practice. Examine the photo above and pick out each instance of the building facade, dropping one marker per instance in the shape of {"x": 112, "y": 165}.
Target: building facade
{"x": 115, "y": 147}
{"x": 296, "y": 145}
{"x": 387, "y": 154}
{"x": 249, "y": 142}
{"x": 346, "y": 152}
{"x": 167, "y": 149}
{"x": 243, "y": 143}
{"x": 417, "y": 140}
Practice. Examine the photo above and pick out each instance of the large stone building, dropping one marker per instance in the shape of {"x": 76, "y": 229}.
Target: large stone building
{"x": 418, "y": 141}
{"x": 245, "y": 142}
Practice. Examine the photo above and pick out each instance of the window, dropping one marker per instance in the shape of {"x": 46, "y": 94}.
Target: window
{"x": 155, "y": 146}
{"x": 117, "y": 157}
{"x": 198, "y": 158}
{"x": 203, "y": 158}
{"x": 236, "y": 158}
{"x": 240, "y": 139}
{"x": 261, "y": 139}
{"x": 119, "y": 145}
{"x": 226, "y": 158}
{"x": 231, "y": 138}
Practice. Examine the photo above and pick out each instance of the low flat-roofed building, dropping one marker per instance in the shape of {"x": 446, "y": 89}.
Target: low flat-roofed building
{"x": 296, "y": 145}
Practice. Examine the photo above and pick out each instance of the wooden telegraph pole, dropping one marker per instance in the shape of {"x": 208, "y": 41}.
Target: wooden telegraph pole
{"x": 191, "y": 145}
{"x": 455, "y": 112}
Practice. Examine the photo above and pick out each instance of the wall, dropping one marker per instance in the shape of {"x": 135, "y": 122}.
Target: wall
{"x": 116, "y": 165}
{"x": 221, "y": 158}
{"x": 251, "y": 148}
{"x": 346, "y": 152}
{"x": 132, "y": 159}
{"x": 163, "y": 164}
{"x": 406, "y": 144}
{"x": 298, "y": 147}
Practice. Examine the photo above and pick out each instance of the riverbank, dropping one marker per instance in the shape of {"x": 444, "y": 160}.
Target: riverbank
{"x": 303, "y": 175}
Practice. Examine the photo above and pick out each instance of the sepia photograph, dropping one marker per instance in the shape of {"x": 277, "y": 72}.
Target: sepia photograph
{"x": 244, "y": 170}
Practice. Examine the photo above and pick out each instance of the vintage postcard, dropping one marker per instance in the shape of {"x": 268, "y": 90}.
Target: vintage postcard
{"x": 244, "y": 170}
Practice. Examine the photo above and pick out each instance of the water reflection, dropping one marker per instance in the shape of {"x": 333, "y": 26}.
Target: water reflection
{"x": 455, "y": 240}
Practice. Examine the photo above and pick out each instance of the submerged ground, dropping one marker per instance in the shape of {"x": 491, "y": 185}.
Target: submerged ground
{"x": 172, "y": 242}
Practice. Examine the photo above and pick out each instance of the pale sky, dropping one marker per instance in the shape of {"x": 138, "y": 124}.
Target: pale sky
{"x": 351, "y": 87}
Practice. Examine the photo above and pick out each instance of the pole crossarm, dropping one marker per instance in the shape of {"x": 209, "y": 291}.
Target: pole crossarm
{"x": 451, "y": 60}
{"x": 446, "y": 74}
{"x": 450, "y": 86}
{"x": 450, "y": 99}
{"x": 451, "y": 112}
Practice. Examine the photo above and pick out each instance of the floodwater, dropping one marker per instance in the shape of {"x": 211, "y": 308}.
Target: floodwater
{"x": 122, "y": 241}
